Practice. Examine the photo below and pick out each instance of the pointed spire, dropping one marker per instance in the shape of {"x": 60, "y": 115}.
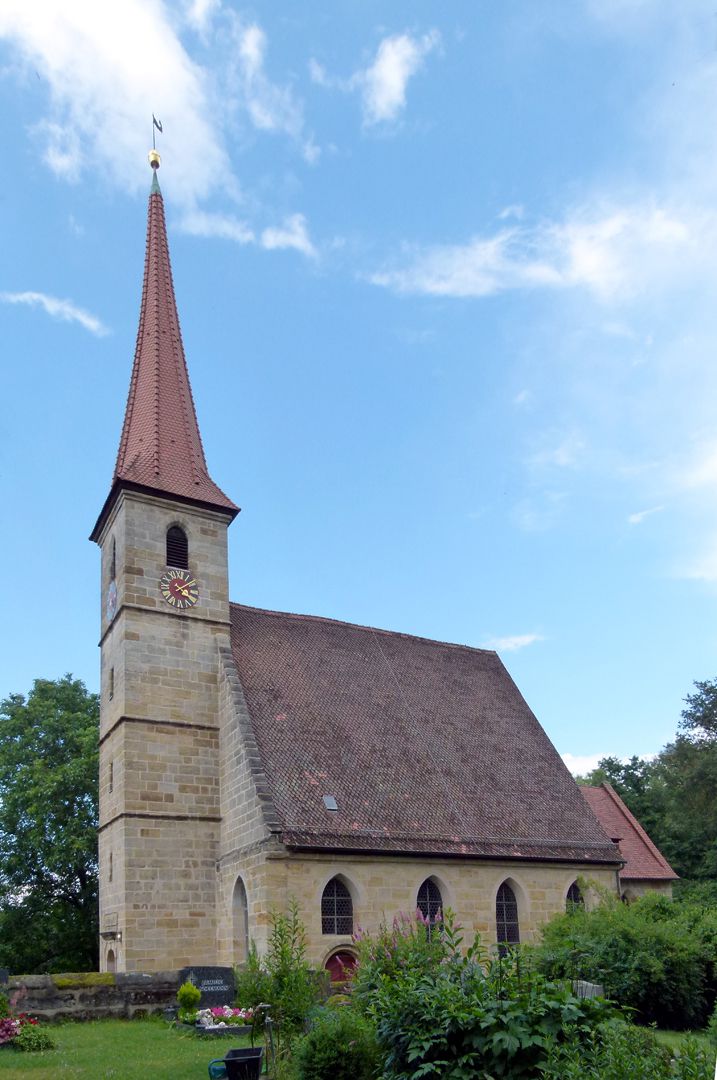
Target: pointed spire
{"x": 161, "y": 448}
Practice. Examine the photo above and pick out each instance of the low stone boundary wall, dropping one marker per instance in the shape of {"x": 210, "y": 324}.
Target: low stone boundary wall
{"x": 93, "y": 995}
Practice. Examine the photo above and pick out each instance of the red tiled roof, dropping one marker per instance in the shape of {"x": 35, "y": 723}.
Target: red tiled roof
{"x": 643, "y": 861}
{"x": 161, "y": 448}
{"x": 426, "y": 746}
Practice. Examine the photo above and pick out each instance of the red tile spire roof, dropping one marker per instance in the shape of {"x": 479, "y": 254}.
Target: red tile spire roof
{"x": 161, "y": 448}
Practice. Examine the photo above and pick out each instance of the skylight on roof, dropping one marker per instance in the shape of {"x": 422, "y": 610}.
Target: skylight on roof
{"x": 330, "y": 802}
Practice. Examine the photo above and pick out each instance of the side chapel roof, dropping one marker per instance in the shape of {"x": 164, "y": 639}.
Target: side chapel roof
{"x": 643, "y": 860}
{"x": 426, "y": 747}
{"x": 160, "y": 447}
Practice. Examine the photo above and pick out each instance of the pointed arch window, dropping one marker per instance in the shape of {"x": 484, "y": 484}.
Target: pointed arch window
{"x": 574, "y": 898}
{"x": 113, "y": 560}
{"x": 506, "y": 918}
{"x": 177, "y": 548}
{"x": 429, "y": 900}
{"x": 337, "y": 909}
{"x": 240, "y": 907}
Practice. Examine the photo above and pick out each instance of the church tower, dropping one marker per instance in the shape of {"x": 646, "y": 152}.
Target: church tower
{"x": 165, "y": 617}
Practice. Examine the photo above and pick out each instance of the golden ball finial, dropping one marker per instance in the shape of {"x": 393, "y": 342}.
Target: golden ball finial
{"x": 154, "y": 159}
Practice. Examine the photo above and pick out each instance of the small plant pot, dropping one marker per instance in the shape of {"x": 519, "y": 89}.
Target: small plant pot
{"x": 244, "y": 1063}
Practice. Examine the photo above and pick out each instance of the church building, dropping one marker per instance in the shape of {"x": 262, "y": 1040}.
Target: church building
{"x": 248, "y": 757}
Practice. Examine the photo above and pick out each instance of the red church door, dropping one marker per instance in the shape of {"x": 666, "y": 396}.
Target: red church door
{"x": 340, "y": 965}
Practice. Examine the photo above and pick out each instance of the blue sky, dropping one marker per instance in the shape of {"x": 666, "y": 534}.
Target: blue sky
{"x": 447, "y": 283}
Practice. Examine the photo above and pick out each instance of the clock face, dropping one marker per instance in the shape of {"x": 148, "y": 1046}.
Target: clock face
{"x": 111, "y": 600}
{"x": 179, "y": 588}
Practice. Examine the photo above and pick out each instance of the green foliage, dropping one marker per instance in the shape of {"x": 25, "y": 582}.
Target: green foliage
{"x": 188, "y": 997}
{"x": 294, "y": 986}
{"x": 654, "y": 956}
{"x": 341, "y": 1045}
{"x": 439, "y": 1013}
{"x": 619, "y": 1051}
{"x": 673, "y": 795}
{"x": 79, "y": 979}
{"x": 282, "y": 979}
{"x": 408, "y": 944}
{"x": 48, "y": 828}
{"x": 252, "y": 981}
{"x": 33, "y": 1038}
{"x": 712, "y": 1028}
{"x": 4, "y": 1006}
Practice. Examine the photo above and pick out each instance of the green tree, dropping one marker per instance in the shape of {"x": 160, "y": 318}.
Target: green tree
{"x": 48, "y": 828}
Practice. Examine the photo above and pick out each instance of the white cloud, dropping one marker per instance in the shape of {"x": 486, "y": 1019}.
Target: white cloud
{"x": 292, "y": 234}
{"x": 564, "y": 454}
{"x": 270, "y": 107}
{"x": 64, "y": 310}
{"x": 515, "y": 210}
{"x": 614, "y": 254}
{"x": 384, "y": 83}
{"x": 512, "y": 642}
{"x": 580, "y": 764}
{"x": 639, "y": 517}
{"x": 108, "y": 67}
{"x": 202, "y": 223}
{"x": 200, "y": 13}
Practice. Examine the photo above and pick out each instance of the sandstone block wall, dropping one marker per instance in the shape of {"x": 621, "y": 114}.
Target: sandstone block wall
{"x": 159, "y": 749}
{"x": 383, "y": 886}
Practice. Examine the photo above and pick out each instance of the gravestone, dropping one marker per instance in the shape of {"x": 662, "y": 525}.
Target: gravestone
{"x": 4, "y": 976}
{"x": 215, "y": 983}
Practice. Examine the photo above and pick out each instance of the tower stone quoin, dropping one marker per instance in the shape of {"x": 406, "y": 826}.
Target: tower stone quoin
{"x": 162, "y": 629}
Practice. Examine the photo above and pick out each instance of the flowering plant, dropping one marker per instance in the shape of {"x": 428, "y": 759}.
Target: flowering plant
{"x": 224, "y": 1016}
{"x": 9, "y": 1028}
{"x": 23, "y": 1032}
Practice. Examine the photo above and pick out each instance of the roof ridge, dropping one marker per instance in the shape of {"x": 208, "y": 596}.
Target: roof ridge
{"x": 361, "y": 626}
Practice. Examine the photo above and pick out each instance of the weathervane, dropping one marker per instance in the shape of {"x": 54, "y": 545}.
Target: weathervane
{"x": 154, "y": 158}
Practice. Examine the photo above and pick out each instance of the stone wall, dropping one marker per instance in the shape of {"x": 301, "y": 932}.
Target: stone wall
{"x": 382, "y": 886}
{"x": 93, "y": 996}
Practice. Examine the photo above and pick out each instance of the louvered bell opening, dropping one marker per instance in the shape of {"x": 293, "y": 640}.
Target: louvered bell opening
{"x": 177, "y": 548}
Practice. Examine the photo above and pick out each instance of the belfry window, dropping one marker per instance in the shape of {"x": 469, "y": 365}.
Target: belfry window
{"x": 113, "y": 560}
{"x": 429, "y": 900}
{"x": 506, "y": 918}
{"x": 337, "y": 909}
{"x": 177, "y": 548}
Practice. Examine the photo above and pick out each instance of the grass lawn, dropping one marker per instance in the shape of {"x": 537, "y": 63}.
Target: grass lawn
{"x": 119, "y": 1050}
{"x": 673, "y": 1039}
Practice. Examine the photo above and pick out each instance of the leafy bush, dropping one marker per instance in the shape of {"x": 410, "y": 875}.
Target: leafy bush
{"x": 653, "y": 956}
{"x": 188, "y": 997}
{"x": 340, "y": 1045}
{"x": 409, "y": 944}
{"x": 32, "y": 1038}
{"x": 252, "y": 982}
{"x": 439, "y": 1013}
{"x": 712, "y": 1028}
{"x": 4, "y": 1006}
{"x": 282, "y": 979}
{"x": 620, "y": 1051}
{"x": 294, "y": 987}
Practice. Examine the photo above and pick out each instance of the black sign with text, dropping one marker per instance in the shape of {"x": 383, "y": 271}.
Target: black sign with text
{"x": 215, "y": 983}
